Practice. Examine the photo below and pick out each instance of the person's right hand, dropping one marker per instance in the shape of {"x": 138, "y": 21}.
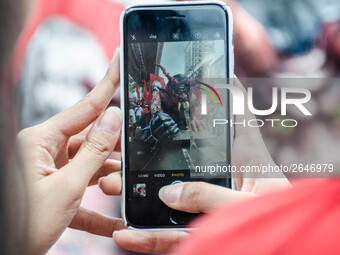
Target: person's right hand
{"x": 195, "y": 197}
{"x": 64, "y": 155}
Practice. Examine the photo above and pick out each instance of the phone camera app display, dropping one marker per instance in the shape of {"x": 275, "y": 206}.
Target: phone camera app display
{"x": 174, "y": 67}
{"x": 172, "y": 104}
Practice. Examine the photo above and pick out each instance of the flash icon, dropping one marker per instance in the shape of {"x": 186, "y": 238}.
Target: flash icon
{"x": 175, "y": 36}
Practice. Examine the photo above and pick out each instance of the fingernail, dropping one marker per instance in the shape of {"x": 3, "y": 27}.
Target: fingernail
{"x": 99, "y": 180}
{"x": 111, "y": 120}
{"x": 171, "y": 193}
{"x": 115, "y": 53}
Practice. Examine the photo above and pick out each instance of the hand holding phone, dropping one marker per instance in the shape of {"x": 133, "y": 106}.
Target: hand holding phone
{"x": 201, "y": 197}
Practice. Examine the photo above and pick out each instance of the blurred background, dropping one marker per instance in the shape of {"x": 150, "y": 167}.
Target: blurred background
{"x": 66, "y": 46}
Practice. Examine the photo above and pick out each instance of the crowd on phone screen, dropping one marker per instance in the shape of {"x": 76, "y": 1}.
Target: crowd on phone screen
{"x": 139, "y": 116}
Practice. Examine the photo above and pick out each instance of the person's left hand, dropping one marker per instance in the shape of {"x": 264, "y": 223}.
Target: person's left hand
{"x": 64, "y": 155}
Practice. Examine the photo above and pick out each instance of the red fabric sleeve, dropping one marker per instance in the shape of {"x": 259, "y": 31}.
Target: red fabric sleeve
{"x": 302, "y": 220}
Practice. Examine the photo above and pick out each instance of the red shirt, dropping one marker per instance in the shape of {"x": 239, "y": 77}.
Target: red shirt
{"x": 145, "y": 114}
{"x": 302, "y": 220}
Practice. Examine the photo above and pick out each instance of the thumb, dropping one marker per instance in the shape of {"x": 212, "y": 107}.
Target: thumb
{"x": 197, "y": 197}
{"x": 97, "y": 147}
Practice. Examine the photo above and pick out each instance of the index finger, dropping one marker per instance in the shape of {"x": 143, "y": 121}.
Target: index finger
{"x": 76, "y": 118}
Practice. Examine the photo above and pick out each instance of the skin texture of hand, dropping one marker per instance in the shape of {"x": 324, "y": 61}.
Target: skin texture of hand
{"x": 64, "y": 155}
{"x": 195, "y": 197}
{"x": 254, "y": 55}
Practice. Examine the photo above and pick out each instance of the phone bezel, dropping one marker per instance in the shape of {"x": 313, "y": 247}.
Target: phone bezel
{"x": 230, "y": 59}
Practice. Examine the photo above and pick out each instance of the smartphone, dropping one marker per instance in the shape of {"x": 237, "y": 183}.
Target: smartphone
{"x": 172, "y": 57}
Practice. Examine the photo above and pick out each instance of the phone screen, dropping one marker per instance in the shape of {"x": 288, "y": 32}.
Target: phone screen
{"x": 174, "y": 57}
